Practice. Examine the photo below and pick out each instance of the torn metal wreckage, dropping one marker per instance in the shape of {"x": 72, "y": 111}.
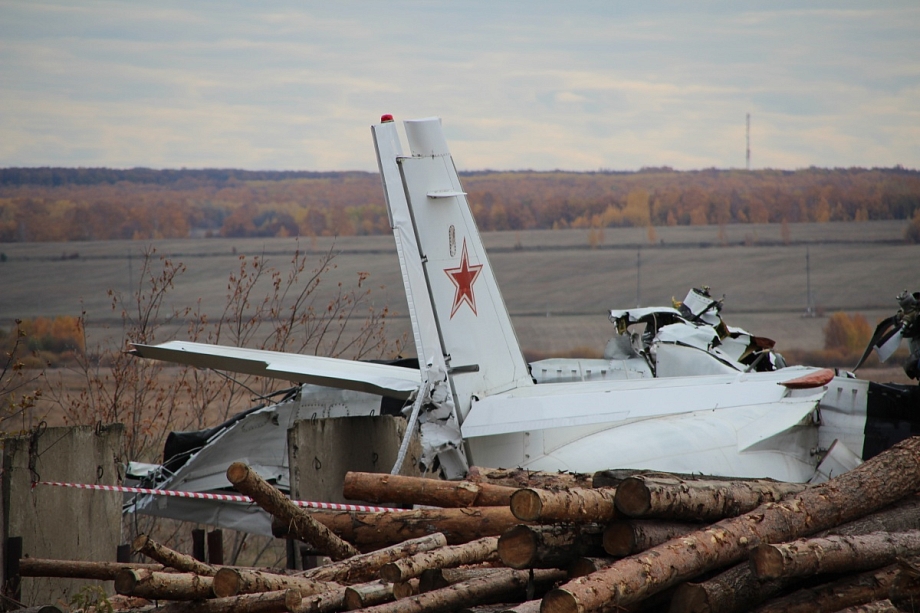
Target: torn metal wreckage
{"x": 688, "y": 394}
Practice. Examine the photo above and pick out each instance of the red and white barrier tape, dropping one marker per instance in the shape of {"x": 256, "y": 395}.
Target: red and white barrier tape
{"x": 222, "y": 497}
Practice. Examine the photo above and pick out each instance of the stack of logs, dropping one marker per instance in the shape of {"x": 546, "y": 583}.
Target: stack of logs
{"x": 513, "y": 540}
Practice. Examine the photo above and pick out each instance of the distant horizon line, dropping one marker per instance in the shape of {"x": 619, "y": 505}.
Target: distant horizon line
{"x": 643, "y": 169}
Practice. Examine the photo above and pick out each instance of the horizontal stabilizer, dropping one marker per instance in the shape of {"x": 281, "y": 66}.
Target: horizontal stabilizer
{"x": 381, "y": 379}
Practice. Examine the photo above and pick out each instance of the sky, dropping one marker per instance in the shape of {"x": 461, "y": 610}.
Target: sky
{"x": 519, "y": 85}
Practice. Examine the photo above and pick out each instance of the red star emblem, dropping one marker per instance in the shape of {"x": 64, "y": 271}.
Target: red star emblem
{"x": 463, "y": 278}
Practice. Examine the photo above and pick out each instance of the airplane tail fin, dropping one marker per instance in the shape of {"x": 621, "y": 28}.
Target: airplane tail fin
{"x": 456, "y": 287}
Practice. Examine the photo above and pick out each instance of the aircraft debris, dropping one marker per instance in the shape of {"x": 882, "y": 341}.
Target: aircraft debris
{"x": 905, "y": 324}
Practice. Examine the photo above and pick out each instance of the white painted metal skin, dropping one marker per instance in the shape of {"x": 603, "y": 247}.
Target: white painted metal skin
{"x": 382, "y": 379}
{"x": 740, "y": 424}
{"x": 474, "y": 379}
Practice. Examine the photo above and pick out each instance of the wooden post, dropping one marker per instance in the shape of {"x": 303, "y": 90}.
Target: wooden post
{"x": 889, "y": 476}
{"x": 307, "y": 529}
{"x": 377, "y": 488}
{"x": 11, "y": 568}
{"x": 216, "y": 547}
{"x": 198, "y": 549}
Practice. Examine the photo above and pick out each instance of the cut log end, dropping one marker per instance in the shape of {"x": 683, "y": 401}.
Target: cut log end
{"x": 633, "y": 498}
{"x": 292, "y": 599}
{"x": 559, "y": 601}
{"x": 767, "y": 562}
{"x": 237, "y": 472}
{"x": 690, "y": 598}
{"x": 526, "y": 505}
{"x": 125, "y": 581}
{"x": 227, "y": 582}
{"x": 139, "y": 543}
{"x": 390, "y": 573}
{"x": 517, "y": 547}
{"x": 619, "y": 540}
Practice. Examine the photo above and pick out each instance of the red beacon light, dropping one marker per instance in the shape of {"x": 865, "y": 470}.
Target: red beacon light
{"x": 387, "y": 118}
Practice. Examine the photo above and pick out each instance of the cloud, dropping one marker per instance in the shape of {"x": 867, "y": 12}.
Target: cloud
{"x": 542, "y": 86}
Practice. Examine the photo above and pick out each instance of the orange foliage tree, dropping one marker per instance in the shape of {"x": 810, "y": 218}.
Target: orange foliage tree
{"x": 103, "y": 204}
{"x": 847, "y": 334}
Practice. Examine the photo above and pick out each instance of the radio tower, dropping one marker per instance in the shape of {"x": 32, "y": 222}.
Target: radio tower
{"x": 748, "y": 152}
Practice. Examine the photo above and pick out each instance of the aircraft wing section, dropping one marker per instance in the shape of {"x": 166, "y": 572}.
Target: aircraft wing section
{"x": 580, "y": 404}
{"x": 381, "y": 379}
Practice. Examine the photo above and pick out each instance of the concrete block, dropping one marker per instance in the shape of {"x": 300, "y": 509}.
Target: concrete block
{"x": 57, "y": 522}
{"x": 321, "y": 451}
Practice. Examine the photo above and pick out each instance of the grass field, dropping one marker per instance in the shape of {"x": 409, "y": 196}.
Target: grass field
{"x": 556, "y": 286}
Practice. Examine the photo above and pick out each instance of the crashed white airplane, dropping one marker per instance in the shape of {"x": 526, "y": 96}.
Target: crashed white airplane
{"x": 476, "y": 401}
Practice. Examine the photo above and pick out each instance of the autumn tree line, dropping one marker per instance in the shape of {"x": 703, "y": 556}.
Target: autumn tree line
{"x": 66, "y": 204}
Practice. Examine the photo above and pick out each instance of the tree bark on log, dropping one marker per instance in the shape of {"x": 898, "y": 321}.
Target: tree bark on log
{"x": 474, "y": 552}
{"x": 76, "y": 569}
{"x": 661, "y": 497}
{"x": 437, "y": 578}
{"x": 485, "y": 608}
{"x": 519, "y": 478}
{"x": 575, "y": 505}
{"x": 505, "y": 583}
{"x": 552, "y": 546}
{"x": 829, "y": 597}
{"x": 833, "y": 554}
{"x": 615, "y": 476}
{"x": 324, "y": 602}
{"x": 233, "y": 581}
{"x": 737, "y": 590}
{"x": 367, "y": 594}
{"x": 624, "y": 538}
{"x": 529, "y": 606}
{"x": 171, "y": 558}
{"x": 879, "y": 606}
{"x": 878, "y": 482}
{"x": 154, "y": 585}
{"x": 899, "y": 517}
{"x": 366, "y": 566}
{"x": 264, "y": 602}
{"x": 375, "y": 530}
{"x": 377, "y": 488}
{"x": 269, "y": 498}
